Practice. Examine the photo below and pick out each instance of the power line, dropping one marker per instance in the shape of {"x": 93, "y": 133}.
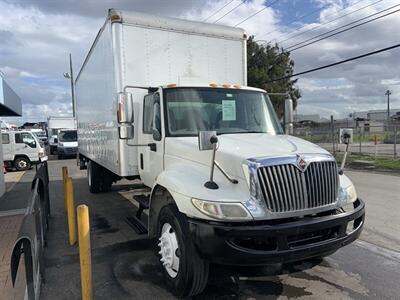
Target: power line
{"x": 342, "y": 26}
{"x": 304, "y": 43}
{"x": 324, "y": 23}
{"x": 336, "y": 63}
{"x": 257, "y": 12}
{"x": 298, "y": 19}
{"x": 241, "y": 3}
{"x": 212, "y": 15}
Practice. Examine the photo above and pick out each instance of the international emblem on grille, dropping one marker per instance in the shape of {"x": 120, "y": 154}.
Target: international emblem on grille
{"x": 301, "y": 164}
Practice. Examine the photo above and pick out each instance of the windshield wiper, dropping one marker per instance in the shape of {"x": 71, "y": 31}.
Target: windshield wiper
{"x": 241, "y": 132}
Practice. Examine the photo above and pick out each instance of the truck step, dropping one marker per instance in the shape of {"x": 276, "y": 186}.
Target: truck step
{"x": 137, "y": 225}
{"x": 143, "y": 201}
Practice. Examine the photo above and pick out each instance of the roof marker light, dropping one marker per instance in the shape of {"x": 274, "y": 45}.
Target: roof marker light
{"x": 171, "y": 85}
{"x": 213, "y": 84}
{"x": 227, "y": 86}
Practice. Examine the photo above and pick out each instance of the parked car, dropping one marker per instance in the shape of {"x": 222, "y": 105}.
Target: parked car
{"x": 67, "y": 143}
{"x": 21, "y": 149}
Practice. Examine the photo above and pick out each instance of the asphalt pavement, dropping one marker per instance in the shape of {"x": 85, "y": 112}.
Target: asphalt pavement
{"x": 125, "y": 265}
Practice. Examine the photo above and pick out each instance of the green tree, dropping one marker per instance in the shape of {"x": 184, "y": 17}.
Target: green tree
{"x": 265, "y": 63}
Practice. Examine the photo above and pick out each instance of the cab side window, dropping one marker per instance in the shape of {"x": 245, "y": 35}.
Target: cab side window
{"x": 148, "y": 114}
{"x": 152, "y": 114}
{"x": 25, "y": 138}
{"x": 5, "y": 137}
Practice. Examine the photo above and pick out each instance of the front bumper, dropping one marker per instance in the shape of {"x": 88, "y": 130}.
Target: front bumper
{"x": 268, "y": 242}
{"x": 67, "y": 150}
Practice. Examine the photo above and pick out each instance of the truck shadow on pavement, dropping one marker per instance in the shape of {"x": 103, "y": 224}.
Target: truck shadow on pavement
{"x": 136, "y": 270}
{"x": 125, "y": 264}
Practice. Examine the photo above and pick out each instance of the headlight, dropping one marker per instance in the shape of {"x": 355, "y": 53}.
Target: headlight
{"x": 60, "y": 144}
{"x": 347, "y": 194}
{"x": 223, "y": 211}
{"x": 250, "y": 175}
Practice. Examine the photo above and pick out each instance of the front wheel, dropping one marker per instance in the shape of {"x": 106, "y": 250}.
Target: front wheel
{"x": 186, "y": 274}
{"x": 22, "y": 164}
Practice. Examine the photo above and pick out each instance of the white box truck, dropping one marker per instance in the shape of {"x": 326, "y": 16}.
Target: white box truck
{"x": 54, "y": 124}
{"x": 165, "y": 101}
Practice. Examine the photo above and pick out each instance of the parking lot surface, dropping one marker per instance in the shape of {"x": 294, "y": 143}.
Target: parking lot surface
{"x": 125, "y": 265}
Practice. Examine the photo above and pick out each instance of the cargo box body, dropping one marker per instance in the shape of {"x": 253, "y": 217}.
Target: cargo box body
{"x": 142, "y": 50}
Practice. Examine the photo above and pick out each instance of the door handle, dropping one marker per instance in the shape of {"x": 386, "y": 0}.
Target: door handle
{"x": 153, "y": 147}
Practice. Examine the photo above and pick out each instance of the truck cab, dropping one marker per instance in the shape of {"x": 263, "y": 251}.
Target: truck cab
{"x": 274, "y": 198}
{"x": 21, "y": 149}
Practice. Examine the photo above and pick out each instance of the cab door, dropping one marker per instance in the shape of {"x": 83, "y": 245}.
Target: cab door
{"x": 151, "y": 158}
{"x": 7, "y": 146}
{"x": 26, "y": 144}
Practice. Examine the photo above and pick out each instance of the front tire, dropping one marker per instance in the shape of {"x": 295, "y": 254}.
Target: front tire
{"x": 185, "y": 273}
{"x": 22, "y": 164}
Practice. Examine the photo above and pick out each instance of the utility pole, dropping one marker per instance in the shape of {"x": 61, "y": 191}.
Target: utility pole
{"x": 70, "y": 76}
{"x": 388, "y": 93}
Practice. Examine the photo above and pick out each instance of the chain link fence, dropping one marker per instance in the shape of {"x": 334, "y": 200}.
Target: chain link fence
{"x": 380, "y": 140}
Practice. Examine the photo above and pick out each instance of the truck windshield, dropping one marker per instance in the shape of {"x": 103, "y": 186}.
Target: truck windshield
{"x": 190, "y": 110}
{"x": 67, "y": 136}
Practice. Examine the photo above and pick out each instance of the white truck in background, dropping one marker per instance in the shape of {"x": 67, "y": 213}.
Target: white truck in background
{"x": 21, "y": 149}
{"x": 165, "y": 101}
{"x": 54, "y": 124}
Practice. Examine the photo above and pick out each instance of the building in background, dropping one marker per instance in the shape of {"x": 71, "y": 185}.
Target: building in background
{"x": 10, "y": 106}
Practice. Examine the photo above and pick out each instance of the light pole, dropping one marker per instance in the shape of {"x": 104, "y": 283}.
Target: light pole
{"x": 70, "y": 76}
{"x": 388, "y": 93}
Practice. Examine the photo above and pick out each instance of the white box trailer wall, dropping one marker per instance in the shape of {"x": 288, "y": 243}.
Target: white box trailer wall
{"x": 143, "y": 50}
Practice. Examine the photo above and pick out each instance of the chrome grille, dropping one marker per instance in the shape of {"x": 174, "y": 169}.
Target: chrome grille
{"x": 285, "y": 188}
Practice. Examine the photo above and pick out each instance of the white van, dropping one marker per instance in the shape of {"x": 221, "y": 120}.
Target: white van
{"x": 21, "y": 149}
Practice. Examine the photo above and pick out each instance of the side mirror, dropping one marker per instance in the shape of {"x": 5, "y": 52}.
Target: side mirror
{"x": 289, "y": 116}
{"x": 126, "y": 132}
{"x": 156, "y": 134}
{"x": 125, "y": 108}
{"x": 346, "y": 138}
{"x": 204, "y": 140}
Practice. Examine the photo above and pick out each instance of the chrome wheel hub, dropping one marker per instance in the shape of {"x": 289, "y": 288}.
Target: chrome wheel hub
{"x": 169, "y": 250}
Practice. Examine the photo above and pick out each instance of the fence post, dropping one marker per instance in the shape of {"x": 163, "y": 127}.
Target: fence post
{"x": 85, "y": 251}
{"x": 395, "y": 141}
{"x": 359, "y": 137}
{"x": 71, "y": 211}
{"x": 333, "y": 135}
{"x": 64, "y": 177}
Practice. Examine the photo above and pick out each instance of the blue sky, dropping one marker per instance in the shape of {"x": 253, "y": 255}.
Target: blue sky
{"x": 37, "y": 36}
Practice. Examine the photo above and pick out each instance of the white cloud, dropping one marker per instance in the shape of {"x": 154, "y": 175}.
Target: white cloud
{"x": 37, "y": 36}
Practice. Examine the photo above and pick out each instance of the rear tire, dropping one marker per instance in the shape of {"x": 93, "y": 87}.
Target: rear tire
{"x": 107, "y": 181}
{"x": 185, "y": 273}
{"x": 94, "y": 177}
{"x": 22, "y": 163}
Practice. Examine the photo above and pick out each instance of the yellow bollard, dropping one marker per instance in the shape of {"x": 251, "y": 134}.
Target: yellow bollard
{"x": 69, "y": 189}
{"x": 85, "y": 251}
{"x": 64, "y": 177}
